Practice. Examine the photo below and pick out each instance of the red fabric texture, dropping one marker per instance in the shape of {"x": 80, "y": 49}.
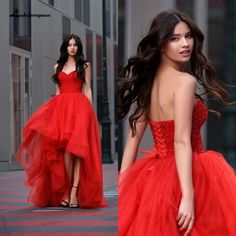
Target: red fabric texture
{"x": 67, "y": 122}
{"x": 150, "y": 194}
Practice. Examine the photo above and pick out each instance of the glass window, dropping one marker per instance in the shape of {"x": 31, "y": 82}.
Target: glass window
{"x": 89, "y": 45}
{"x": 89, "y": 48}
{"x": 27, "y": 90}
{"x": 16, "y": 86}
{"x": 221, "y": 50}
{"x": 86, "y": 12}
{"x": 115, "y": 20}
{"x": 108, "y": 18}
{"x": 99, "y": 76}
{"x": 116, "y": 98}
{"x": 82, "y": 11}
{"x": 20, "y": 24}
{"x": 51, "y": 2}
{"x": 186, "y": 6}
{"x": 78, "y": 10}
{"x": 121, "y": 28}
{"x": 66, "y": 26}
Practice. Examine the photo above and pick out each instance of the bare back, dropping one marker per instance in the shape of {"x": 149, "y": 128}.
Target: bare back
{"x": 162, "y": 95}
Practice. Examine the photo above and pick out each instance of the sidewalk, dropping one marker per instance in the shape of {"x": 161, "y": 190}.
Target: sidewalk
{"x": 17, "y": 217}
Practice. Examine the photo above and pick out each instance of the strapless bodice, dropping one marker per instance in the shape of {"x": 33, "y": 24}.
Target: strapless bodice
{"x": 70, "y": 83}
{"x": 163, "y": 131}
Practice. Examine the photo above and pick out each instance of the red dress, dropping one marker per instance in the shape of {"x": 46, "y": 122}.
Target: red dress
{"x": 150, "y": 194}
{"x": 66, "y": 122}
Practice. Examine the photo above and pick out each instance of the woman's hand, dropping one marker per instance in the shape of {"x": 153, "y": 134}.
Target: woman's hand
{"x": 185, "y": 218}
{"x": 132, "y": 144}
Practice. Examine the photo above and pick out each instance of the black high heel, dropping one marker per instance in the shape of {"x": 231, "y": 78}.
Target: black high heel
{"x": 74, "y": 205}
{"x": 64, "y": 203}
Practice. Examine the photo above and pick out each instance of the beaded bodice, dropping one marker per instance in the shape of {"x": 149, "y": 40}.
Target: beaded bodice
{"x": 70, "y": 83}
{"x": 163, "y": 131}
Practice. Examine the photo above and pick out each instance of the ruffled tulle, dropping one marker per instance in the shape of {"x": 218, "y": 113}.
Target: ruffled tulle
{"x": 149, "y": 197}
{"x": 66, "y": 122}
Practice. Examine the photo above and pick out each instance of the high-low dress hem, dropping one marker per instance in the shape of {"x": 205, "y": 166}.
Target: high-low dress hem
{"x": 65, "y": 123}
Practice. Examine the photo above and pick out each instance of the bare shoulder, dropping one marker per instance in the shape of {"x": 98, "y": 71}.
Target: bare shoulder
{"x": 55, "y": 67}
{"x": 185, "y": 87}
{"x": 87, "y": 65}
{"x": 185, "y": 80}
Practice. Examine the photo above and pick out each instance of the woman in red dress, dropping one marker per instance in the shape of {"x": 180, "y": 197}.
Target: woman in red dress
{"x": 179, "y": 188}
{"x": 61, "y": 150}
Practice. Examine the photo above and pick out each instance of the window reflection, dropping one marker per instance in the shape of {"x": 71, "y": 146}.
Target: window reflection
{"x": 99, "y": 76}
{"x": 115, "y": 20}
{"x": 86, "y": 12}
{"x": 78, "y": 10}
{"x": 116, "y": 87}
{"x": 66, "y": 27}
{"x": 16, "y": 87}
{"x": 82, "y": 11}
{"x": 20, "y": 25}
{"x": 27, "y": 91}
{"x": 186, "y": 6}
{"x": 108, "y": 18}
{"x": 51, "y": 2}
{"x": 89, "y": 48}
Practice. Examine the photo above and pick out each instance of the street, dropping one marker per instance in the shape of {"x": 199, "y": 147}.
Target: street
{"x": 18, "y": 217}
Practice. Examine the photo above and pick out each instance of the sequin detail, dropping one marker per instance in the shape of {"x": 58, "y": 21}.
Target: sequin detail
{"x": 163, "y": 132}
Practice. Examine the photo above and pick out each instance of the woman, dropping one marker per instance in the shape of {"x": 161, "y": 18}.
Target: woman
{"x": 61, "y": 149}
{"x": 178, "y": 189}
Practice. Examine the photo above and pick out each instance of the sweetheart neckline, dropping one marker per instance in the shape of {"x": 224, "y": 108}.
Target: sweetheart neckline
{"x": 68, "y": 73}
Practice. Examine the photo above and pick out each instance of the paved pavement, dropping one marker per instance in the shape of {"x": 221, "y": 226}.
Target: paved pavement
{"x": 17, "y": 217}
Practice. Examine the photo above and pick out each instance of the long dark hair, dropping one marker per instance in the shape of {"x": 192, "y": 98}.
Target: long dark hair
{"x": 136, "y": 79}
{"x": 79, "y": 58}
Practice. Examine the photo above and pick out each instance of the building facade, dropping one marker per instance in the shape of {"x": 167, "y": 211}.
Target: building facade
{"x": 31, "y": 34}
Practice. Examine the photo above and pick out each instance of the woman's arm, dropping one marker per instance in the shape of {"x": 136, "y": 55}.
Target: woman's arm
{"x": 57, "y": 90}
{"x": 183, "y": 108}
{"x": 57, "y": 87}
{"x": 87, "y": 85}
{"x": 132, "y": 145}
{"x": 184, "y": 100}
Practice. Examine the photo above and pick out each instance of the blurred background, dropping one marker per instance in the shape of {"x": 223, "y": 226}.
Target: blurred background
{"x": 31, "y": 34}
{"x": 217, "y": 20}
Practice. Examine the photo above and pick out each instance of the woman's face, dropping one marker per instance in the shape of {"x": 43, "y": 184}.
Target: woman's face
{"x": 180, "y": 45}
{"x": 72, "y": 48}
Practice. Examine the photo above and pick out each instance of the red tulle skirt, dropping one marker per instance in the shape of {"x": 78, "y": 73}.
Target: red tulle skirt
{"x": 149, "y": 197}
{"x": 66, "y": 122}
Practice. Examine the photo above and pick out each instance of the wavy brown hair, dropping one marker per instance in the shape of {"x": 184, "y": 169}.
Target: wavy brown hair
{"x": 79, "y": 58}
{"x": 136, "y": 79}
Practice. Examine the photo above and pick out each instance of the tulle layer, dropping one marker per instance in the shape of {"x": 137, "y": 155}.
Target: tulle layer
{"x": 149, "y": 196}
{"x": 66, "y": 122}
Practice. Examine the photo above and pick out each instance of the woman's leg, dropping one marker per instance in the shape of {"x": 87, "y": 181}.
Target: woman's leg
{"x": 74, "y": 189}
{"x": 68, "y": 158}
{"x": 69, "y": 164}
